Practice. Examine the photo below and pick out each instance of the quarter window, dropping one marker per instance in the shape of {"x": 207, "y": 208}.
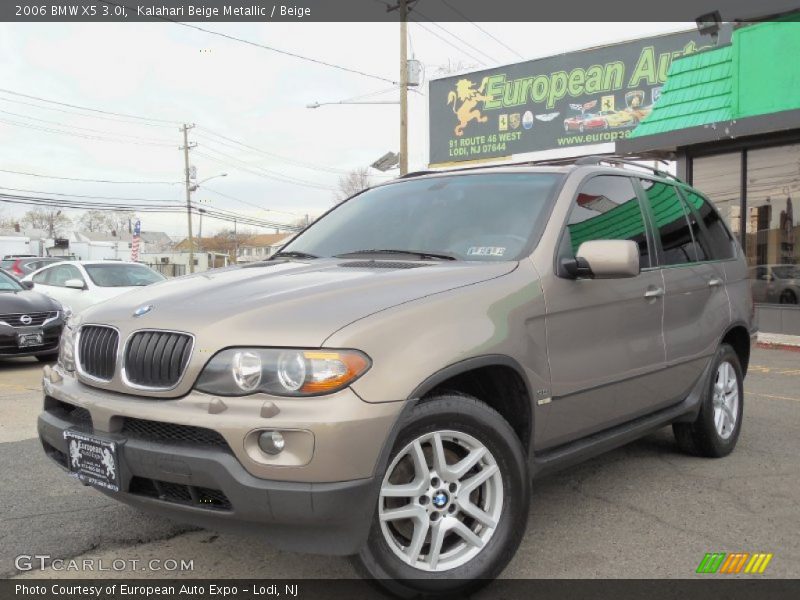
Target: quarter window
{"x": 677, "y": 243}
{"x": 607, "y": 208}
{"x": 718, "y": 239}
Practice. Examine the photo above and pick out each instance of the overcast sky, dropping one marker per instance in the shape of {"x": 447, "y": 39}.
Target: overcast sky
{"x": 166, "y": 71}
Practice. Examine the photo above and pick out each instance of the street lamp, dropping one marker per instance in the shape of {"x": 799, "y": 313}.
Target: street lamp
{"x": 318, "y": 104}
{"x": 194, "y": 187}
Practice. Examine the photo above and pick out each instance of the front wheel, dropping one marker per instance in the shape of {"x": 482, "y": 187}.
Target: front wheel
{"x": 453, "y": 502}
{"x": 716, "y": 430}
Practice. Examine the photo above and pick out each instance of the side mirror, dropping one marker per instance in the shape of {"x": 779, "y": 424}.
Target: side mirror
{"x": 28, "y": 285}
{"x": 604, "y": 259}
{"x": 75, "y": 284}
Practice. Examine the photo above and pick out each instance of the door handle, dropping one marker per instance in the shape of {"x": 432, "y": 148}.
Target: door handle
{"x": 715, "y": 282}
{"x": 655, "y": 293}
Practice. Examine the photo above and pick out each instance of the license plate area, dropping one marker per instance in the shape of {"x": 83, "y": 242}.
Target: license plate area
{"x": 93, "y": 460}
{"x": 30, "y": 338}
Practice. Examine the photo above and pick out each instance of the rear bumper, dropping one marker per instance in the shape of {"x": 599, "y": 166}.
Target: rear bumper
{"x": 323, "y": 518}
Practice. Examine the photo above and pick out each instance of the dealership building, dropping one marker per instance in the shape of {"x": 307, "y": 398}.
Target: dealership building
{"x": 730, "y": 116}
{"x": 725, "y": 107}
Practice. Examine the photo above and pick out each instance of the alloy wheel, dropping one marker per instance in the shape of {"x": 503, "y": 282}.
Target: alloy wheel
{"x": 726, "y": 400}
{"x": 440, "y": 501}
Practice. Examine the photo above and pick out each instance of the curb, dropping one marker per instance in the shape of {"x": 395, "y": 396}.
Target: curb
{"x": 776, "y": 341}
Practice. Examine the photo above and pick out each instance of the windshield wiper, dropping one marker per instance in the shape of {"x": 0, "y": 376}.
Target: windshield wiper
{"x": 293, "y": 254}
{"x": 421, "y": 253}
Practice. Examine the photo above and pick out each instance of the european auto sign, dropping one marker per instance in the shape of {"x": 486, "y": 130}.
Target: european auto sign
{"x": 571, "y": 100}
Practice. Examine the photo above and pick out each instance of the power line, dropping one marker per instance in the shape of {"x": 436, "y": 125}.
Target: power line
{"x": 96, "y": 110}
{"x": 89, "y": 196}
{"x": 80, "y": 114}
{"x": 264, "y": 46}
{"x": 261, "y": 171}
{"x": 461, "y": 50}
{"x": 59, "y": 124}
{"x": 499, "y": 41}
{"x": 81, "y": 135}
{"x": 236, "y": 143}
{"x": 27, "y": 173}
{"x": 229, "y": 216}
{"x": 253, "y": 204}
{"x": 451, "y": 44}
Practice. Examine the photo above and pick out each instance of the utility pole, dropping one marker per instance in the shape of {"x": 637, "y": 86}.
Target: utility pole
{"x": 403, "y": 6}
{"x": 186, "y": 147}
{"x": 403, "y": 87}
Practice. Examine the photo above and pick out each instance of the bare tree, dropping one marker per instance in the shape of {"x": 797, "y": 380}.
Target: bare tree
{"x": 50, "y": 219}
{"x": 121, "y": 220}
{"x": 352, "y": 183}
{"x": 95, "y": 220}
{"x": 8, "y": 222}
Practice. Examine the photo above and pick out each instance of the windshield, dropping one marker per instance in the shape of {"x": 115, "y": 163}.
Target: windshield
{"x": 477, "y": 217}
{"x": 121, "y": 275}
{"x": 8, "y": 283}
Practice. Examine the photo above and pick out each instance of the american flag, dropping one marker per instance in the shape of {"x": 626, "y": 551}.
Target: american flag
{"x": 137, "y": 230}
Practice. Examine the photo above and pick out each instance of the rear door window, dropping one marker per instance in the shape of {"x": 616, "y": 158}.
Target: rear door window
{"x": 678, "y": 245}
{"x": 607, "y": 208}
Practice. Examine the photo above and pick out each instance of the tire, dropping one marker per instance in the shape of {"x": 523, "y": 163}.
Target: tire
{"x": 464, "y": 425}
{"x": 581, "y": 128}
{"x": 788, "y": 297}
{"x": 46, "y": 358}
{"x": 704, "y": 437}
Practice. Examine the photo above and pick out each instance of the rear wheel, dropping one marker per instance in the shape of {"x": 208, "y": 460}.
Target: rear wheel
{"x": 716, "y": 430}
{"x": 453, "y": 502}
{"x": 788, "y": 297}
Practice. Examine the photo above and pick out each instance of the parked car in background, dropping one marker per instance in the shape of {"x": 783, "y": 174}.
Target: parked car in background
{"x": 776, "y": 284}
{"x": 80, "y": 284}
{"x": 618, "y": 118}
{"x": 9, "y": 260}
{"x": 21, "y": 266}
{"x": 585, "y": 121}
{"x": 30, "y": 322}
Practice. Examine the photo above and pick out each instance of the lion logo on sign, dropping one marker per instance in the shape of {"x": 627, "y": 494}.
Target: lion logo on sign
{"x": 469, "y": 97}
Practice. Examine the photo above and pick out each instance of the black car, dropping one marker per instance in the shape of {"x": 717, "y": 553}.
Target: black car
{"x": 30, "y": 322}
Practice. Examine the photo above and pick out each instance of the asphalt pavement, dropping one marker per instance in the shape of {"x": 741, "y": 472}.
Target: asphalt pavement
{"x": 642, "y": 511}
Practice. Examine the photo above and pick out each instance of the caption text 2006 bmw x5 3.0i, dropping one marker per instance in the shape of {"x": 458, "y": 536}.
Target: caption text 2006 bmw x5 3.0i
{"x": 388, "y": 385}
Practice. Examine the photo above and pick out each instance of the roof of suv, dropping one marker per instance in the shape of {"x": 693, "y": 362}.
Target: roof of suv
{"x": 556, "y": 166}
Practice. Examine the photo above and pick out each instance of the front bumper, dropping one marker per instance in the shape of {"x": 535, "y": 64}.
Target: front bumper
{"x": 212, "y": 485}
{"x": 8, "y": 339}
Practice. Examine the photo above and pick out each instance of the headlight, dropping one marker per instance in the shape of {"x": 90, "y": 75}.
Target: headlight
{"x": 66, "y": 347}
{"x": 281, "y": 372}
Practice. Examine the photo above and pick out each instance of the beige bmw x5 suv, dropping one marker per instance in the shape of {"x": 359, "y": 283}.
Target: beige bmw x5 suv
{"x": 388, "y": 385}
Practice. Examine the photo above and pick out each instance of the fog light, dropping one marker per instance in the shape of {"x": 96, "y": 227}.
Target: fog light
{"x": 271, "y": 442}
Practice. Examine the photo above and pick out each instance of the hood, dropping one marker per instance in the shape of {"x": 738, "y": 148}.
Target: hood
{"x": 26, "y": 301}
{"x": 285, "y": 303}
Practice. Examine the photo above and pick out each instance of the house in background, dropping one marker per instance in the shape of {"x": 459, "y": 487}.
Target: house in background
{"x": 261, "y": 247}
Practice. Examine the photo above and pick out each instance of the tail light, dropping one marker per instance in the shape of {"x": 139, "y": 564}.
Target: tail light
{"x": 15, "y": 268}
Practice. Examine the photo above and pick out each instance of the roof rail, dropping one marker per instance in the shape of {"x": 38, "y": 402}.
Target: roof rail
{"x": 616, "y": 160}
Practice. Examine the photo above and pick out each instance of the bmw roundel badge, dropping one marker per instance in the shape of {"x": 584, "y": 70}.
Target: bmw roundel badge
{"x": 142, "y": 310}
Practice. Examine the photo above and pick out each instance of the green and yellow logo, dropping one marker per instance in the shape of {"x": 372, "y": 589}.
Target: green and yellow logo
{"x": 736, "y": 562}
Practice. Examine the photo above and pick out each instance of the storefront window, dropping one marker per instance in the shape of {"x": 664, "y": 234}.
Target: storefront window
{"x": 719, "y": 178}
{"x": 773, "y": 234}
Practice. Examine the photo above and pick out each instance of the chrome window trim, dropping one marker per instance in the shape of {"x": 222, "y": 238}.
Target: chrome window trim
{"x": 76, "y": 353}
{"x": 146, "y": 388}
